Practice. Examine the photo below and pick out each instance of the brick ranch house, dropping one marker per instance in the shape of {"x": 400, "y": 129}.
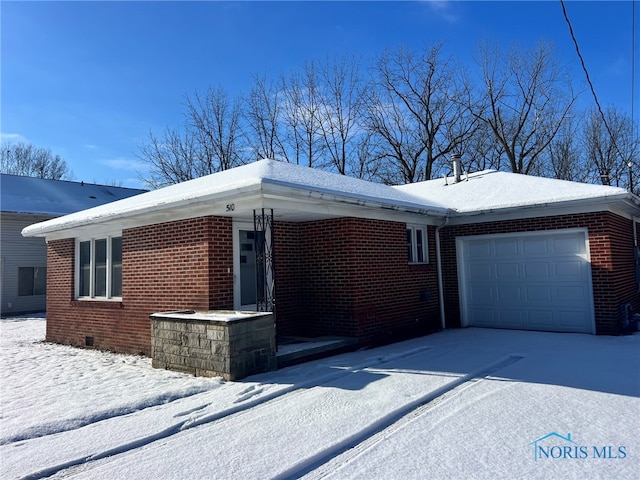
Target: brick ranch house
{"x": 334, "y": 255}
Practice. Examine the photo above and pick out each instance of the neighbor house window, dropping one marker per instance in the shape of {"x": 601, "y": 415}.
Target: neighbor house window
{"x": 32, "y": 281}
{"x": 417, "y": 244}
{"x": 99, "y": 268}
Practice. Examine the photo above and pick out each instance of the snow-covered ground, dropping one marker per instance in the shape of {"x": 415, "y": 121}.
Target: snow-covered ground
{"x": 471, "y": 403}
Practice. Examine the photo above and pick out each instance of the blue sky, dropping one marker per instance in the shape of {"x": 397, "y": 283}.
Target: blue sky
{"x": 89, "y": 80}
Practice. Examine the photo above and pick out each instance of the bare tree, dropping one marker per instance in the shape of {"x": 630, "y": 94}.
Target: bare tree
{"x": 481, "y": 151}
{"x": 417, "y": 111}
{"x": 301, "y": 116}
{"x": 208, "y": 142}
{"x": 526, "y": 102}
{"x": 28, "y": 160}
{"x": 398, "y": 149}
{"x": 341, "y": 106}
{"x": 565, "y": 159}
{"x": 611, "y": 150}
{"x": 173, "y": 158}
{"x": 263, "y": 119}
{"x": 215, "y": 122}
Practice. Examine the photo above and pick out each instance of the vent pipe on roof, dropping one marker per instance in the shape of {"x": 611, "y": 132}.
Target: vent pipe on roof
{"x": 456, "y": 159}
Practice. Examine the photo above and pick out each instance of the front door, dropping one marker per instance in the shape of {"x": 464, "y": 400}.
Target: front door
{"x": 244, "y": 267}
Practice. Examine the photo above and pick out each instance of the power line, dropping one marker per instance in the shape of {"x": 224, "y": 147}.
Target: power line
{"x": 633, "y": 58}
{"x": 593, "y": 90}
{"x": 633, "y": 84}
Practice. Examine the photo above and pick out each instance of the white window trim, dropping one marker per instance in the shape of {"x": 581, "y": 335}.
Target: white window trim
{"x": 414, "y": 244}
{"x": 92, "y": 295}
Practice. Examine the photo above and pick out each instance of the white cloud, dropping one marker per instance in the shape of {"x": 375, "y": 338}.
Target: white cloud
{"x": 121, "y": 163}
{"x": 12, "y": 137}
{"x": 444, "y": 9}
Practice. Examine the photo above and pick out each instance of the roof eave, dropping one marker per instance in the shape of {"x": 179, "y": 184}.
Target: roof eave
{"x": 145, "y": 215}
{"x": 284, "y": 190}
{"x": 626, "y": 202}
{"x": 251, "y": 195}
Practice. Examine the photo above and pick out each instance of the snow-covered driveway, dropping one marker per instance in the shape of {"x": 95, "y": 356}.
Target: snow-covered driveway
{"x": 469, "y": 403}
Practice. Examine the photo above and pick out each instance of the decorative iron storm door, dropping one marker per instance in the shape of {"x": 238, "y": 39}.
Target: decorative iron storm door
{"x": 265, "y": 271}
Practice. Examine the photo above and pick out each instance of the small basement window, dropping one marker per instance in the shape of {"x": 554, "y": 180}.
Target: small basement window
{"x": 99, "y": 268}
{"x": 417, "y": 244}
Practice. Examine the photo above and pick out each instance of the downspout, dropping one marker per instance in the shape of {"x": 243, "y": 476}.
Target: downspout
{"x": 443, "y": 322}
{"x": 636, "y": 253}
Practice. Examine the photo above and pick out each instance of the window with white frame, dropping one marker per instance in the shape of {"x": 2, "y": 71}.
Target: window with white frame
{"x": 99, "y": 267}
{"x": 417, "y": 244}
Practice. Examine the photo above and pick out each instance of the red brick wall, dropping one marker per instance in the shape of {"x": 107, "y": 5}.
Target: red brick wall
{"x": 288, "y": 278}
{"x": 622, "y": 276}
{"x": 179, "y": 265}
{"x": 61, "y": 324}
{"x": 352, "y": 278}
{"x": 610, "y": 243}
{"x": 343, "y": 276}
{"x": 335, "y": 277}
{"x": 221, "y": 264}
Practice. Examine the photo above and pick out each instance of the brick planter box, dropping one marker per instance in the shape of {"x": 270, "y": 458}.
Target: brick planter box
{"x": 225, "y": 344}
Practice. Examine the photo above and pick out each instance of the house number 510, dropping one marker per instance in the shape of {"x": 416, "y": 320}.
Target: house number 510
{"x": 231, "y": 207}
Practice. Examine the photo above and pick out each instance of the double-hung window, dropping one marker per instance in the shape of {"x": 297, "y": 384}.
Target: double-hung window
{"x": 99, "y": 268}
{"x": 417, "y": 244}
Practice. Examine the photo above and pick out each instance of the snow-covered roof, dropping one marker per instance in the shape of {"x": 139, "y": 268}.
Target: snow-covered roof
{"x": 491, "y": 190}
{"x": 40, "y": 196}
{"x": 300, "y": 193}
{"x": 301, "y": 187}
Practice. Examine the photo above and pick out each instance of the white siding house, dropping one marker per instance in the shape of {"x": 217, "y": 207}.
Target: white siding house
{"x": 23, "y": 261}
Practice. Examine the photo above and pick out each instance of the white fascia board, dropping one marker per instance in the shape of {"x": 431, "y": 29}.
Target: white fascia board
{"x": 533, "y": 211}
{"x": 70, "y": 226}
{"x": 316, "y": 201}
{"x": 282, "y": 207}
{"x": 237, "y": 202}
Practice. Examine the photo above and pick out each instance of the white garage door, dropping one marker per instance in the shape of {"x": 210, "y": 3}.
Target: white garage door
{"x": 530, "y": 281}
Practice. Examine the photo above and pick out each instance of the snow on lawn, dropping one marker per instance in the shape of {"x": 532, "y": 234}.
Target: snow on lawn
{"x": 49, "y": 388}
{"x": 470, "y": 403}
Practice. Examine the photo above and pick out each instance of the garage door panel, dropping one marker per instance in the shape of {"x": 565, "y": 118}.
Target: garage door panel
{"x": 540, "y": 319}
{"x": 506, "y": 248}
{"x": 538, "y": 293}
{"x": 509, "y": 294}
{"x": 479, "y": 293}
{"x": 536, "y": 270}
{"x": 480, "y": 271}
{"x": 479, "y": 250}
{"x": 571, "y": 320}
{"x": 538, "y": 281}
{"x": 570, "y": 269}
{"x": 507, "y": 271}
{"x": 569, "y": 245}
{"x": 573, "y": 294}
{"x": 535, "y": 246}
{"x": 483, "y": 317}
